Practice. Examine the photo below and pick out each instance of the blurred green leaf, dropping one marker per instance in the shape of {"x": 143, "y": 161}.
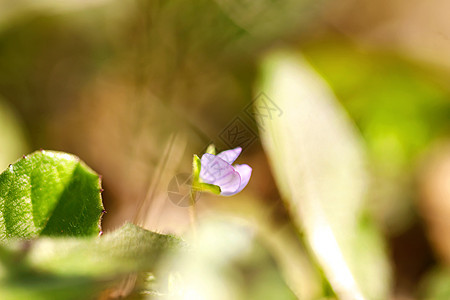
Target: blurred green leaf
{"x": 12, "y": 138}
{"x": 9, "y": 10}
{"x": 400, "y": 108}
{"x": 227, "y": 261}
{"x": 266, "y": 19}
{"x": 319, "y": 166}
{"x": 42, "y": 287}
{"x": 49, "y": 193}
{"x": 436, "y": 284}
{"x": 282, "y": 240}
{"x": 60, "y": 267}
{"x": 129, "y": 249}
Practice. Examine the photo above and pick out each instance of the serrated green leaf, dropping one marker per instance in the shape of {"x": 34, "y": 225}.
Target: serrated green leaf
{"x": 51, "y": 194}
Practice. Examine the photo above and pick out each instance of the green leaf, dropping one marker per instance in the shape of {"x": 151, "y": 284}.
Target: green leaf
{"x": 51, "y": 194}
{"x": 77, "y": 268}
{"x": 319, "y": 164}
{"x": 129, "y": 249}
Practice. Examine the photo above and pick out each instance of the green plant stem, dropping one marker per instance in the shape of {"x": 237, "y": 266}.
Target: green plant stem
{"x": 193, "y": 213}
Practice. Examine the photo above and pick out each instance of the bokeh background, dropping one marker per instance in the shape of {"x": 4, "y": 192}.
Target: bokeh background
{"x": 135, "y": 87}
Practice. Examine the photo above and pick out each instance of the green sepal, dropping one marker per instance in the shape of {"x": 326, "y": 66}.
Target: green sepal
{"x": 211, "y": 149}
{"x": 197, "y": 185}
{"x": 196, "y": 167}
{"x": 207, "y": 187}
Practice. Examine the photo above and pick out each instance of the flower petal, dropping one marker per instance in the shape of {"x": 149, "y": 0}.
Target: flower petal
{"x": 230, "y": 155}
{"x": 207, "y": 175}
{"x": 217, "y": 171}
{"x": 245, "y": 171}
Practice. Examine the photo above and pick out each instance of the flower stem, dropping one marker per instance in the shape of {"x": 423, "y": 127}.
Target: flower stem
{"x": 193, "y": 213}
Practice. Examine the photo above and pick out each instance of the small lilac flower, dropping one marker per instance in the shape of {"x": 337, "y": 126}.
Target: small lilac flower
{"x": 218, "y": 170}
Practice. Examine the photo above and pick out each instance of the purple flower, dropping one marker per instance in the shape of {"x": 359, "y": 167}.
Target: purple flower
{"x": 217, "y": 170}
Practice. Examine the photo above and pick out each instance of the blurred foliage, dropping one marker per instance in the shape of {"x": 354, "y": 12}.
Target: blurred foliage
{"x": 129, "y": 248}
{"x": 228, "y": 261}
{"x": 136, "y": 87}
{"x": 12, "y": 138}
{"x": 54, "y": 194}
{"x": 401, "y": 110}
{"x": 398, "y": 108}
{"x": 74, "y": 268}
{"x": 282, "y": 239}
{"x": 436, "y": 285}
{"x": 319, "y": 165}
